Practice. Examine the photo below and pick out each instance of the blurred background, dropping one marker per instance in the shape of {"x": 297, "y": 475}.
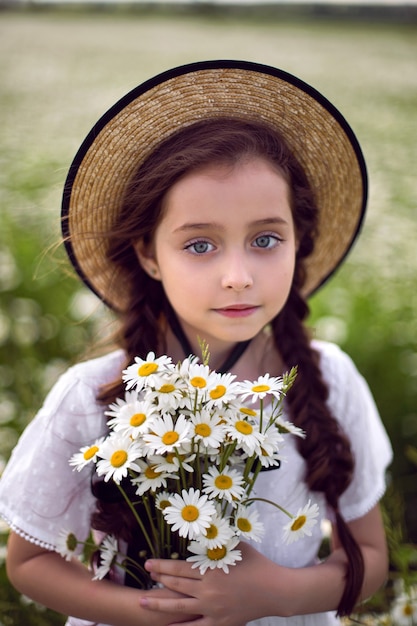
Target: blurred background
{"x": 62, "y": 67}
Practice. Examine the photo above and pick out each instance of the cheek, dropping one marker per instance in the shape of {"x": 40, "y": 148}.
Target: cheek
{"x": 286, "y": 275}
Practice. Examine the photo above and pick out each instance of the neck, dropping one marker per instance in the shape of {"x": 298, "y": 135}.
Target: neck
{"x": 222, "y": 360}
{"x": 247, "y": 360}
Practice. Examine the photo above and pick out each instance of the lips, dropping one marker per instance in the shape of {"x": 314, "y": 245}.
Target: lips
{"x": 237, "y": 310}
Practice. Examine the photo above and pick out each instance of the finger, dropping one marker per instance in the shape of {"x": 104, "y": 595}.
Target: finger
{"x": 198, "y": 621}
{"x": 184, "y": 586}
{"x": 184, "y": 606}
{"x": 172, "y": 567}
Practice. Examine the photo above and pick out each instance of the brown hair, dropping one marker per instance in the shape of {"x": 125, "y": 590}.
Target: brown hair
{"x": 326, "y": 449}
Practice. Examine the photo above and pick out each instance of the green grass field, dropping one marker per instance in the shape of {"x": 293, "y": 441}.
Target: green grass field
{"x": 60, "y": 70}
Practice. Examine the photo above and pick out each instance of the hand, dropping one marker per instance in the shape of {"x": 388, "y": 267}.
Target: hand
{"x": 215, "y": 596}
{"x": 167, "y": 617}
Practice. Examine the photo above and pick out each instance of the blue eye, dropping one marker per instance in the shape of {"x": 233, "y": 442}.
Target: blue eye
{"x": 266, "y": 241}
{"x": 199, "y": 247}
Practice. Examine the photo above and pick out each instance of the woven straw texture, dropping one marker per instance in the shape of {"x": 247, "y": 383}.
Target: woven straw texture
{"x": 329, "y": 155}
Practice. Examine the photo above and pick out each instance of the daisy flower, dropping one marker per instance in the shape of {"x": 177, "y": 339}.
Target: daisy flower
{"x": 246, "y": 433}
{"x": 86, "y": 455}
{"x": 168, "y": 393}
{"x": 189, "y": 513}
{"x": 211, "y": 558}
{"x": 270, "y": 448}
{"x": 286, "y": 427}
{"x": 162, "y": 500}
{"x": 150, "y": 478}
{"x": 118, "y": 455}
{"x": 301, "y": 524}
{"x": 222, "y": 390}
{"x": 246, "y": 412}
{"x": 171, "y": 462}
{"x": 404, "y": 610}
{"x": 108, "y": 554}
{"x": 167, "y": 436}
{"x": 198, "y": 379}
{"x": 223, "y": 485}
{"x": 404, "y": 607}
{"x": 145, "y": 372}
{"x": 218, "y": 533}
{"x": 247, "y": 523}
{"x": 208, "y": 429}
{"x": 66, "y": 544}
{"x": 260, "y": 388}
{"x": 131, "y": 416}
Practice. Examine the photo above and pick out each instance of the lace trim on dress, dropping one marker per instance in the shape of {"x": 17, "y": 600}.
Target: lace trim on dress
{"x": 21, "y": 533}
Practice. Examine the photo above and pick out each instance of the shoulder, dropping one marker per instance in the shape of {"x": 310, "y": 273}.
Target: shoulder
{"x": 73, "y": 398}
{"x": 98, "y": 371}
{"x": 348, "y": 391}
{"x": 336, "y": 365}
{"x": 331, "y": 354}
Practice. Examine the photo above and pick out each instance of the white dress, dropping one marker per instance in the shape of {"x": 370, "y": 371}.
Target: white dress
{"x": 40, "y": 494}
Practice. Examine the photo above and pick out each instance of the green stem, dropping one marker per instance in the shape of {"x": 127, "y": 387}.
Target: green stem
{"x": 182, "y": 473}
{"x": 281, "y": 508}
{"x": 146, "y": 504}
{"x": 135, "y": 565}
{"x": 251, "y": 484}
{"x": 128, "y": 571}
{"x": 198, "y": 466}
{"x": 137, "y": 518}
{"x": 261, "y": 414}
{"x": 227, "y": 454}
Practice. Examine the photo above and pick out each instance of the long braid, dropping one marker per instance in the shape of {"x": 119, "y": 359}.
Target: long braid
{"x": 139, "y": 334}
{"x": 326, "y": 448}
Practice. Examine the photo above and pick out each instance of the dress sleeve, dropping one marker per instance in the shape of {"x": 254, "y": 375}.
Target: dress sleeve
{"x": 352, "y": 404}
{"x": 40, "y": 494}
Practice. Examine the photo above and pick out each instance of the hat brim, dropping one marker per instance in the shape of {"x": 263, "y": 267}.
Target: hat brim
{"x": 315, "y": 130}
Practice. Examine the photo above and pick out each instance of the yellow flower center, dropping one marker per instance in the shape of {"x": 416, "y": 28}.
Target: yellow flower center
{"x": 170, "y": 437}
{"x": 244, "y": 524}
{"x": 203, "y": 430}
{"x": 71, "y": 542}
{"x": 217, "y": 392}
{"x": 215, "y": 554}
{"x": 408, "y": 609}
{"x": 137, "y": 419}
{"x": 88, "y": 454}
{"x": 223, "y": 482}
{"x": 261, "y": 388}
{"x": 118, "y": 458}
{"x": 198, "y": 382}
{"x": 212, "y": 531}
{"x": 170, "y": 457}
{"x": 247, "y": 411}
{"x": 190, "y": 513}
{"x": 298, "y": 522}
{"x": 163, "y": 504}
{"x": 147, "y": 368}
{"x": 151, "y": 473}
{"x": 244, "y": 427}
{"x": 167, "y": 388}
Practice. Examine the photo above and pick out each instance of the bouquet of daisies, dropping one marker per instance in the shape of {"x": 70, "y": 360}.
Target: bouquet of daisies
{"x": 184, "y": 449}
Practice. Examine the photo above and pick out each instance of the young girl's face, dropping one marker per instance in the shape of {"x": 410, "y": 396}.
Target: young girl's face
{"x": 225, "y": 251}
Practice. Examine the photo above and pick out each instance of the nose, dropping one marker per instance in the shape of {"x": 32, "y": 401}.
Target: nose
{"x": 236, "y": 273}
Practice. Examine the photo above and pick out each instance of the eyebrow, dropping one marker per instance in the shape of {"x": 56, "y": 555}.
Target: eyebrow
{"x": 204, "y": 225}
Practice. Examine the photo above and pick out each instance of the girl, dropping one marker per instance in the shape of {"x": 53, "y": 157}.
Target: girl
{"x": 209, "y": 203}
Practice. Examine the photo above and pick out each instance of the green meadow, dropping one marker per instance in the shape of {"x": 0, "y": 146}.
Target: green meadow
{"x": 60, "y": 70}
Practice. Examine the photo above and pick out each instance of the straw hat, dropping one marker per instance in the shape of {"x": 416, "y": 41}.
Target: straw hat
{"x": 315, "y": 130}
